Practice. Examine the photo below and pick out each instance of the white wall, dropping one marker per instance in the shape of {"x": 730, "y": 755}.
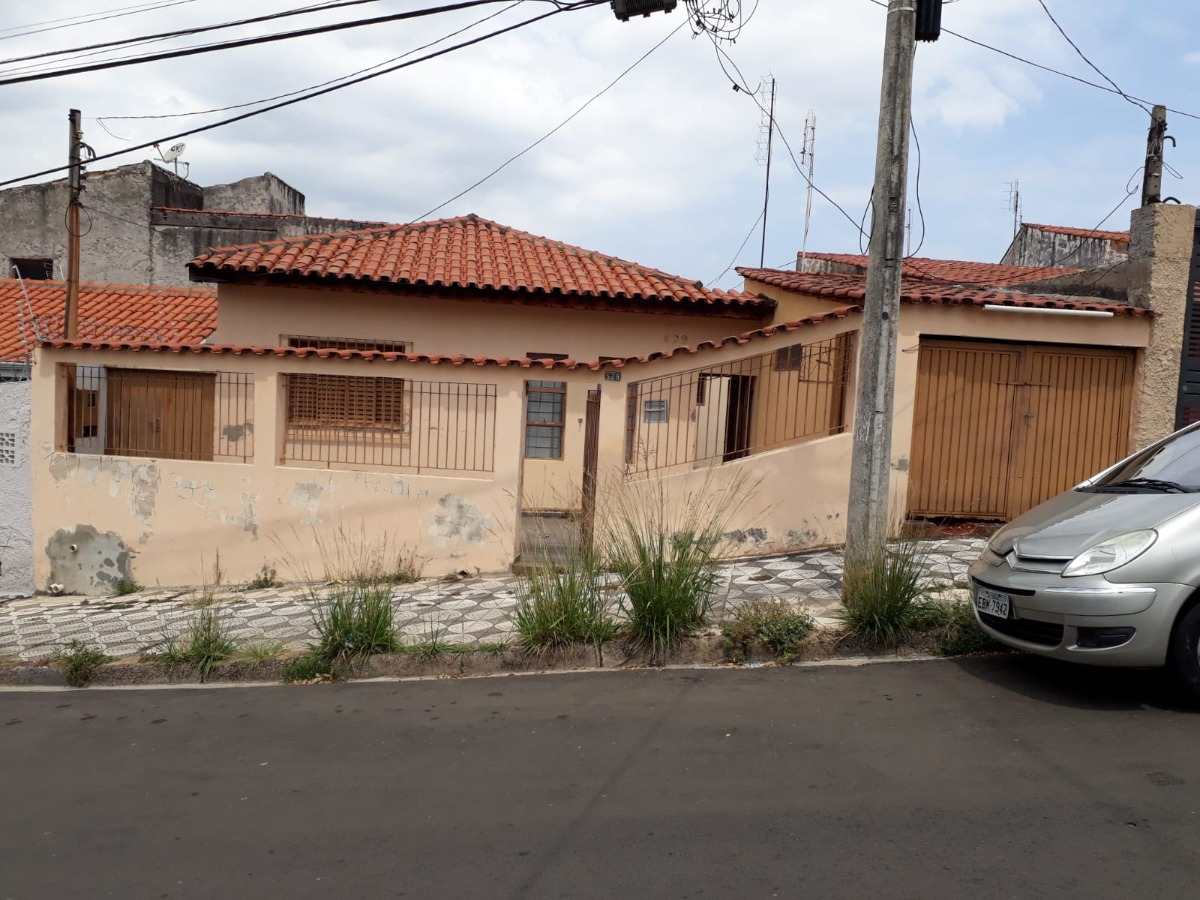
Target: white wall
{"x": 16, "y": 491}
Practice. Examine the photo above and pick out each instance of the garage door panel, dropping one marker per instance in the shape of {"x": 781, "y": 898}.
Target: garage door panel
{"x": 962, "y": 429}
{"x": 998, "y": 428}
{"x": 1072, "y": 420}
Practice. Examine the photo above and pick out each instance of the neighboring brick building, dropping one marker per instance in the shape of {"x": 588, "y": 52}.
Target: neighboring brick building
{"x": 143, "y": 223}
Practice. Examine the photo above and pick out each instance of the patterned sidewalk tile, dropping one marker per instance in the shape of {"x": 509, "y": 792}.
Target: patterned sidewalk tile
{"x": 468, "y": 611}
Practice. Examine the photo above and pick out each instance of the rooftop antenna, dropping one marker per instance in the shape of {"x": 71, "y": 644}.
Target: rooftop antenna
{"x": 808, "y": 155}
{"x": 766, "y": 129}
{"x": 172, "y": 155}
{"x": 1014, "y": 203}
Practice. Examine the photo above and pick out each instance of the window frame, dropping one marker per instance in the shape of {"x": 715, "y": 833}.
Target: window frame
{"x": 558, "y": 388}
{"x": 660, "y": 415}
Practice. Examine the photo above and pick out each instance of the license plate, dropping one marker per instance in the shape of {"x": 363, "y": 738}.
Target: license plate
{"x": 992, "y": 602}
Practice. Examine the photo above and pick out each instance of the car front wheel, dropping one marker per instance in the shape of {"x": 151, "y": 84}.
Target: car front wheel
{"x": 1184, "y": 652}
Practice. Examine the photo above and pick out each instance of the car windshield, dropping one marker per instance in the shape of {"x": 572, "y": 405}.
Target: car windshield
{"x": 1169, "y": 467}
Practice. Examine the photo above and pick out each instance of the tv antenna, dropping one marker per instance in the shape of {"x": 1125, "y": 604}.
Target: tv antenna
{"x": 172, "y": 154}
{"x": 1014, "y": 203}
{"x": 808, "y": 158}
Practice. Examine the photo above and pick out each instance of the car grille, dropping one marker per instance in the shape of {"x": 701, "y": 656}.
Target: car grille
{"x": 1045, "y": 634}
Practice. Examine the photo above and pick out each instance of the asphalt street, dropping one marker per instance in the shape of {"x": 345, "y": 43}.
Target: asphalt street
{"x": 996, "y": 777}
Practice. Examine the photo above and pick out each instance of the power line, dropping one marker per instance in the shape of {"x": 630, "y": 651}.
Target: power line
{"x": 741, "y": 86}
{"x": 184, "y": 32}
{"x": 733, "y": 262}
{"x": 87, "y": 18}
{"x": 203, "y": 112}
{"x": 1083, "y": 56}
{"x": 571, "y": 7}
{"x": 1050, "y": 69}
{"x": 556, "y": 128}
{"x": 263, "y": 39}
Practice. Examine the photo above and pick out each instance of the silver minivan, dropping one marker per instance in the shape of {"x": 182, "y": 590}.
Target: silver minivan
{"x": 1107, "y": 573}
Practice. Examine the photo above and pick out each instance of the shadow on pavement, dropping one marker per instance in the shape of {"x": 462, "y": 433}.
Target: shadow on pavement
{"x": 1079, "y": 687}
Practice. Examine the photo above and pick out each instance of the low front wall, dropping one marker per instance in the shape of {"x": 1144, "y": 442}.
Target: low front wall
{"x": 99, "y": 519}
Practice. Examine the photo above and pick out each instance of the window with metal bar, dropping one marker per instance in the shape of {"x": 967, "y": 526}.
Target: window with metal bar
{"x": 545, "y": 416}
{"x": 350, "y": 421}
{"x": 724, "y": 412}
{"x": 155, "y": 413}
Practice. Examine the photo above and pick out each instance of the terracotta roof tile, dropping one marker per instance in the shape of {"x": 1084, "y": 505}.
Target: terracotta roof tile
{"x": 852, "y": 289}
{"x": 1121, "y": 237}
{"x": 438, "y": 358}
{"x": 106, "y": 312}
{"x": 952, "y": 271}
{"x": 468, "y": 252}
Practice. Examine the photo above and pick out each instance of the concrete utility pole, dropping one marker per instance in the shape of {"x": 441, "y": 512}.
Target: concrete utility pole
{"x": 1155, "y": 151}
{"x": 870, "y": 468}
{"x": 75, "y": 187}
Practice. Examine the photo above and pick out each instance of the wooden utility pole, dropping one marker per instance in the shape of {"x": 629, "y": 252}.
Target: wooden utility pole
{"x": 75, "y": 187}
{"x": 762, "y": 255}
{"x": 1155, "y": 150}
{"x": 870, "y": 467}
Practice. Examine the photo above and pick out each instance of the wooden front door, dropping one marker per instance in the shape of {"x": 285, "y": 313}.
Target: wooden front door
{"x": 999, "y": 428}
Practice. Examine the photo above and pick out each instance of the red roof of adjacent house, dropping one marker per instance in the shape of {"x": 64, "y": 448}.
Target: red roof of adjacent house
{"x": 469, "y": 253}
{"x": 1121, "y": 237}
{"x": 443, "y": 359}
{"x": 33, "y": 310}
{"x": 953, "y": 271}
{"x": 852, "y": 289}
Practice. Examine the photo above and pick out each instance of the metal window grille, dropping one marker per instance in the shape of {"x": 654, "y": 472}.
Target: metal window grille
{"x": 721, "y": 413}
{"x": 162, "y": 414}
{"x": 353, "y": 421}
{"x": 337, "y": 343}
{"x": 545, "y": 415}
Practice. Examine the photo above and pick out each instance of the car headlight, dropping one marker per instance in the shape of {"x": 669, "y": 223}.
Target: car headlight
{"x": 1111, "y": 554}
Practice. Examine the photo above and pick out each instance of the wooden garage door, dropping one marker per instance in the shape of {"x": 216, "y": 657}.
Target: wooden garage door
{"x": 998, "y": 428}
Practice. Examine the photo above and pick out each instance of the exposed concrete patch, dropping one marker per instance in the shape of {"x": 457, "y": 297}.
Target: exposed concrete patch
{"x": 84, "y": 561}
{"x": 756, "y": 536}
{"x": 236, "y": 433}
{"x": 455, "y": 519}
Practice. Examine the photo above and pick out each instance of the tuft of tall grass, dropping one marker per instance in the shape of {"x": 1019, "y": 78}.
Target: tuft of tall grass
{"x": 664, "y": 545}
{"x": 883, "y": 591}
{"x": 356, "y": 557}
{"x": 563, "y": 605}
{"x": 78, "y": 661}
{"x": 353, "y": 622}
{"x": 202, "y": 645}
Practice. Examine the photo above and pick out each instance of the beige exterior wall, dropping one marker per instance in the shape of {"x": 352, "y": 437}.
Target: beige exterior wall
{"x": 437, "y": 325}
{"x": 1160, "y": 256}
{"x": 164, "y": 515}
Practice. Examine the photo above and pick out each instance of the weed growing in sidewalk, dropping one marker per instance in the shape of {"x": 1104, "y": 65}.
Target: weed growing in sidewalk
{"x": 201, "y": 646}
{"x": 353, "y": 622}
{"x": 266, "y": 578}
{"x": 308, "y": 669}
{"x": 123, "y": 587}
{"x": 954, "y": 627}
{"x": 432, "y": 644}
{"x": 664, "y": 548}
{"x": 883, "y": 593}
{"x": 261, "y": 651}
{"x": 775, "y": 624}
{"x": 78, "y": 661}
{"x": 562, "y": 605}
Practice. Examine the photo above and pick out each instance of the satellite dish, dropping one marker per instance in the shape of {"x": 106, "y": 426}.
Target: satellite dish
{"x": 173, "y": 153}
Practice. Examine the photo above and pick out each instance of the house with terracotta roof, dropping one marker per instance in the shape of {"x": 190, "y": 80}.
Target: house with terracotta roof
{"x": 32, "y": 312}
{"x": 449, "y": 382}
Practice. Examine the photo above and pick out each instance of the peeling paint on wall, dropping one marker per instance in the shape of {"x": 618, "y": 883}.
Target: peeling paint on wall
{"x": 454, "y": 519}
{"x": 198, "y": 492}
{"x": 84, "y": 561}
{"x": 235, "y": 433}
{"x": 307, "y": 495}
{"x": 142, "y": 480}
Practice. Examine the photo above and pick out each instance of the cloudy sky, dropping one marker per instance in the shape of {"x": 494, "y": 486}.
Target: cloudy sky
{"x": 663, "y": 168}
